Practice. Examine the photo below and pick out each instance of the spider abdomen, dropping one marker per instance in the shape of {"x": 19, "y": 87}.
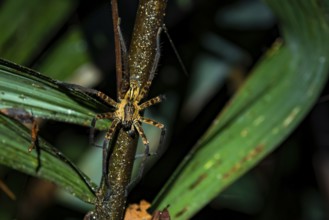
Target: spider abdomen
{"x": 128, "y": 112}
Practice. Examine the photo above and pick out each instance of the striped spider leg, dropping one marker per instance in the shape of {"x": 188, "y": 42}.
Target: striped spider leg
{"x": 128, "y": 107}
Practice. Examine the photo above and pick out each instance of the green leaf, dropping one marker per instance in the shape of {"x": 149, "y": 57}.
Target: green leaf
{"x": 14, "y": 142}
{"x": 43, "y": 97}
{"x": 40, "y": 96}
{"x": 280, "y": 92}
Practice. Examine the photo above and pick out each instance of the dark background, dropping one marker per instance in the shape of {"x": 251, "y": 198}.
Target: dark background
{"x": 291, "y": 183}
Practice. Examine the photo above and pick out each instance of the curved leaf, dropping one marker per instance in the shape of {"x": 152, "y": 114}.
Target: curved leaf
{"x": 14, "y": 142}
{"x": 277, "y": 96}
{"x": 43, "y": 97}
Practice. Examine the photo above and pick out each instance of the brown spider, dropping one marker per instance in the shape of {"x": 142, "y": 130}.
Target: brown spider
{"x": 127, "y": 113}
{"x": 128, "y": 107}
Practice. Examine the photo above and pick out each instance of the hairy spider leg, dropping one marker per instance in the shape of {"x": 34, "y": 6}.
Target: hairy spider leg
{"x": 158, "y": 125}
{"x": 125, "y": 77}
{"x": 147, "y": 104}
{"x": 109, "y": 115}
{"x": 146, "y": 87}
{"x": 107, "y": 99}
{"x": 157, "y": 55}
{"x": 99, "y": 94}
{"x": 106, "y": 142}
{"x": 104, "y": 98}
{"x": 151, "y": 102}
{"x": 162, "y": 134}
{"x": 108, "y": 138}
{"x": 141, "y": 133}
{"x": 142, "y": 94}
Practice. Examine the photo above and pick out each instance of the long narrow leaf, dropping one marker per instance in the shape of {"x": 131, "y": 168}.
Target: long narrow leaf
{"x": 43, "y": 97}
{"x": 278, "y": 95}
{"x": 51, "y": 165}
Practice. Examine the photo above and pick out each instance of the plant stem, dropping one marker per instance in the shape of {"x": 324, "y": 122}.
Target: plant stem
{"x": 118, "y": 60}
{"x": 111, "y": 202}
{"x": 149, "y": 19}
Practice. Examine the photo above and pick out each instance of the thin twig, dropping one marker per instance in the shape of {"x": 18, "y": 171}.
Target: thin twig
{"x": 118, "y": 62}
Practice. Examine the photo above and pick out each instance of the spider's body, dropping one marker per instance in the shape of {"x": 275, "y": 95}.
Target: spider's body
{"x": 127, "y": 113}
{"x": 128, "y": 108}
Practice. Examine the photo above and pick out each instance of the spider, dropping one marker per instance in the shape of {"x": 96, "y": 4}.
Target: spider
{"x": 128, "y": 107}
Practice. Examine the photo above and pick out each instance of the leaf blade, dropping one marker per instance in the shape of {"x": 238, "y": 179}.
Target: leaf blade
{"x": 14, "y": 143}
{"x": 280, "y": 92}
{"x": 24, "y": 88}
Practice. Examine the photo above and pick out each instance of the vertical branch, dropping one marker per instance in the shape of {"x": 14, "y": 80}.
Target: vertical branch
{"x": 111, "y": 203}
{"x": 118, "y": 62}
{"x": 149, "y": 19}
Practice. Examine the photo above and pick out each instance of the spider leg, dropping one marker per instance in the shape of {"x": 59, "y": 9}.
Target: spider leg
{"x": 108, "y": 115}
{"x": 107, "y": 99}
{"x": 141, "y": 133}
{"x": 144, "y": 91}
{"x": 125, "y": 78}
{"x": 147, "y": 85}
{"x": 151, "y": 102}
{"x": 99, "y": 94}
{"x": 157, "y": 55}
{"x": 158, "y": 125}
{"x": 108, "y": 138}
